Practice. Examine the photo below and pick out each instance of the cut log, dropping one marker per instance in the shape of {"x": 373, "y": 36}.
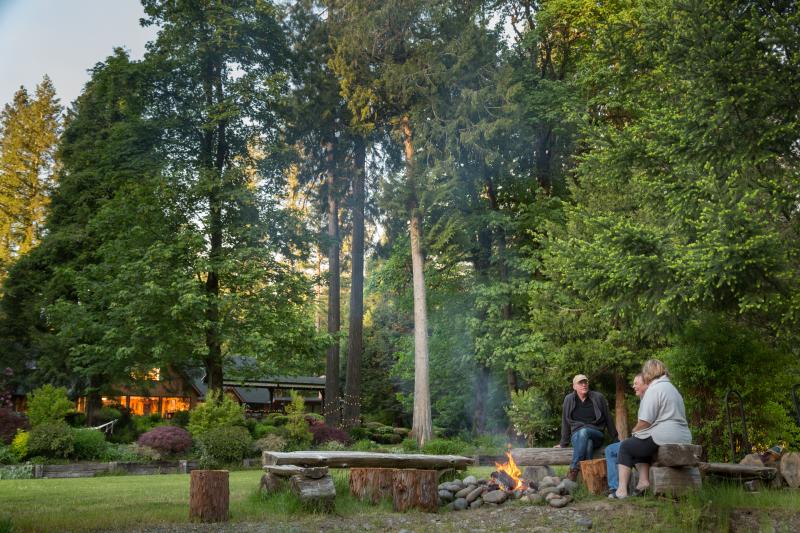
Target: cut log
{"x": 678, "y": 455}
{"x": 372, "y": 484}
{"x": 271, "y": 483}
{"x": 743, "y": 472}
{"x": 415, "y": 489}
{"x": 318, "y": 493}
{"x": 209, "y": 495}
{"x": 292, "y": 470}
{"x": 366, "y": 460}
{"x": 594, "y": 475}
{"x": 790, "y": 469}
{"x": 673, "y": 481}
{"x": 546, "y": 456}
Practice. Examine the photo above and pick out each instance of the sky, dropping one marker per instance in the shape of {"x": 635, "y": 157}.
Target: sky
{"x": 63, "y": 39}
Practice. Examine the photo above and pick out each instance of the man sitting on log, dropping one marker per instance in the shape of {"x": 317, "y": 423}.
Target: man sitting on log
{"x": 584, "y": 415}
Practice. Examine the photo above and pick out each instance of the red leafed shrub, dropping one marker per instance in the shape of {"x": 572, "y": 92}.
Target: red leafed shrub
{"x": 10, "y": 422}
{"x": 323, "y": 434}
{"x": 166, "y": 439}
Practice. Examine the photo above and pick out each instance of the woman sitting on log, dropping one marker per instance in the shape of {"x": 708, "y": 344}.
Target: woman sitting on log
{"x": 662, "y": 420}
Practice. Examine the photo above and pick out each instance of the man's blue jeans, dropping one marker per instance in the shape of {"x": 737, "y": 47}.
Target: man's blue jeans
{"x": 612, "y": 451}
{"x": 584, "y": 441}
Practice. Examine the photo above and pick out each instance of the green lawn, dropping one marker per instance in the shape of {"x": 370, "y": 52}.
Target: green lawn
{"x": 125, "y": 502}
{"x": 121, "y": 502}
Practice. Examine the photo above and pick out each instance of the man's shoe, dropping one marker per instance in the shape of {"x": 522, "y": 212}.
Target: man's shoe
{"x": 572, "y": 475}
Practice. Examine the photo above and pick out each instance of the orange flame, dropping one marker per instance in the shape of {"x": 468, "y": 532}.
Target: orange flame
{"x": 512, "y": 470}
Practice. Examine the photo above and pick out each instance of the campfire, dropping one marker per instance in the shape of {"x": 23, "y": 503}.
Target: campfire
{"x": 537, "y": 485}
{"x": 507, "y": 476}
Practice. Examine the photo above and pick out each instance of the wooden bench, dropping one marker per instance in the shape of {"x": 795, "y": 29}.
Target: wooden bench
{"x": 674, "y": 471}
{"x": 409, "y": 479}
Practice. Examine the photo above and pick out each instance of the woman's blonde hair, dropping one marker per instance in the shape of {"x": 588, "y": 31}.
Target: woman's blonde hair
{"x": 653, "y": 369}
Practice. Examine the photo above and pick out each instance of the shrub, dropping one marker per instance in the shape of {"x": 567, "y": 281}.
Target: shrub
{"x": 446, "y": 447}
{"x": 10, "y": 422}
{"x": 16, "y": 472}
{"x": 333, "y": 446}
{"x": 270, "y": 443}
{"x": 107, "y": 414}
{"x": 76, "y": 419}
{"x": 52, "y": 439}
{"x": 180, "y": 418}
{"x": 530, "y": 415}
{"x": 386, "y": 438}
{"x": 121, "y": 452}
{"x": 19, "y": 445}
{"x": 276, "y": 419}
{"x": 218, "y": 411}
{"x": 89, "y": 444}
{"x": 364, "y": 445}
{"x": 409, "y": 445}
{"x": 48, "y": 404}
{"x": 298, "y": 432}
{"x": 7, "y": 455}
{"x": 322, "y": 434}
{"x": 314, "y": 419}
{"x": 145, "y": 423}
{"x": 359, "y": 433}
{"x": 224, "y": 445}
{"x": 167, "y": 439}
{"x": 146, "y": 453}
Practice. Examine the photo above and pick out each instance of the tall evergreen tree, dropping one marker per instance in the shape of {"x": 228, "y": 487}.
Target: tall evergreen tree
{"x": 224, "y": 68}
{"x": 29, "y": 130}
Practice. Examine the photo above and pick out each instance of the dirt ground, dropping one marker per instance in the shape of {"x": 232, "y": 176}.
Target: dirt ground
{"x": 582, "y": 516}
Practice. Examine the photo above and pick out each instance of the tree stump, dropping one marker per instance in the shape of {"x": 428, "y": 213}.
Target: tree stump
{"x": 594, "y": 475}
{"x": 790, "y": 469}
{"x": 415, "y": 489}
{"x": 372, "y": 484}
{"x": 209, "y": 495}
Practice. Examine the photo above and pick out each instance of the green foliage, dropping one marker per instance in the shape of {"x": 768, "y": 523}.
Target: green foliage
{"x": 410, "y": 445}
{"x": 298, "y": 432}
{"x": 52, "y": 440}
{"x": 48, "y": 404}
{"x": 19, "y": 446}
{"x": 17, "y": 472}
{"x": 89, "y": 444}
{"x": 531, "y": 416}
{"x": 276, "y": 419}
{"x": 447, "y": 447}
{"x": 121, "y": 452}
{"x": 218, "y": 410}
{"x": 270, "y": 442}
{"x": 364, "y": 445}
{"x": 180, "y": 419}
{"x": 144, "y": 423}
{"x": 223, "y": 445}
{"x": 714, "y": 354}
{"x": 7, "y": 455}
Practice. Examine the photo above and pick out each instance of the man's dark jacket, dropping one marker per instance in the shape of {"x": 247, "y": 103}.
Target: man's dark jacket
{"x": 569, "y": 425}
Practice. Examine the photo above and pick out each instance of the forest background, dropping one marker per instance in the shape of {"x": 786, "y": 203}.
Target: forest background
{"x": 448, "y": 208}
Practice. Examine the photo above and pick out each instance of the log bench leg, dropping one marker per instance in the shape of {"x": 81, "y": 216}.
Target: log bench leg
{"x": 371, "y": 484}
{"x": 415, "y": 489}
{"x": 209, "y": 495}
{"x": 673, "y": 481}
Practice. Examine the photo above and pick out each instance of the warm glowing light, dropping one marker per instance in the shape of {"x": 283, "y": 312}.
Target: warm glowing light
{"x": 512, "y": 470}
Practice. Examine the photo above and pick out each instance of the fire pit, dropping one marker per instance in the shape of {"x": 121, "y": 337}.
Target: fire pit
{"x": 504, "y": 484}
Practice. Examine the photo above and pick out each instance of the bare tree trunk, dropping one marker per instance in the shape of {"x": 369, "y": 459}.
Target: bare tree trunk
{"x": 620, "y": 408}
{"x": 421, "y": 424}
{"x": 332, "y": 415}
{"x": 352, "y": 395}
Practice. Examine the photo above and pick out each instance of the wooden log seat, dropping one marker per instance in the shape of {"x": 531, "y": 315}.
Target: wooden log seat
{"x": 366, "y": 460}
{"x": 209, "y": 495}
{"x": 547, "y": 456}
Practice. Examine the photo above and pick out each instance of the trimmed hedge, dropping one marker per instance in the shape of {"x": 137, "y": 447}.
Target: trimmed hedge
{"x": 89, "y": 444}
{"x": 224, "y": 445}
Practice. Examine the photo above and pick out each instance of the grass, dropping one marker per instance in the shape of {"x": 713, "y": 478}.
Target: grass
{"x": 126, "y": 502}
{"x": 134, "y": 501}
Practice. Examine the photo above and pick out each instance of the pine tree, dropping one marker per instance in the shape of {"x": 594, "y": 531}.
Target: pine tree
{"x": 29, "y": 131}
